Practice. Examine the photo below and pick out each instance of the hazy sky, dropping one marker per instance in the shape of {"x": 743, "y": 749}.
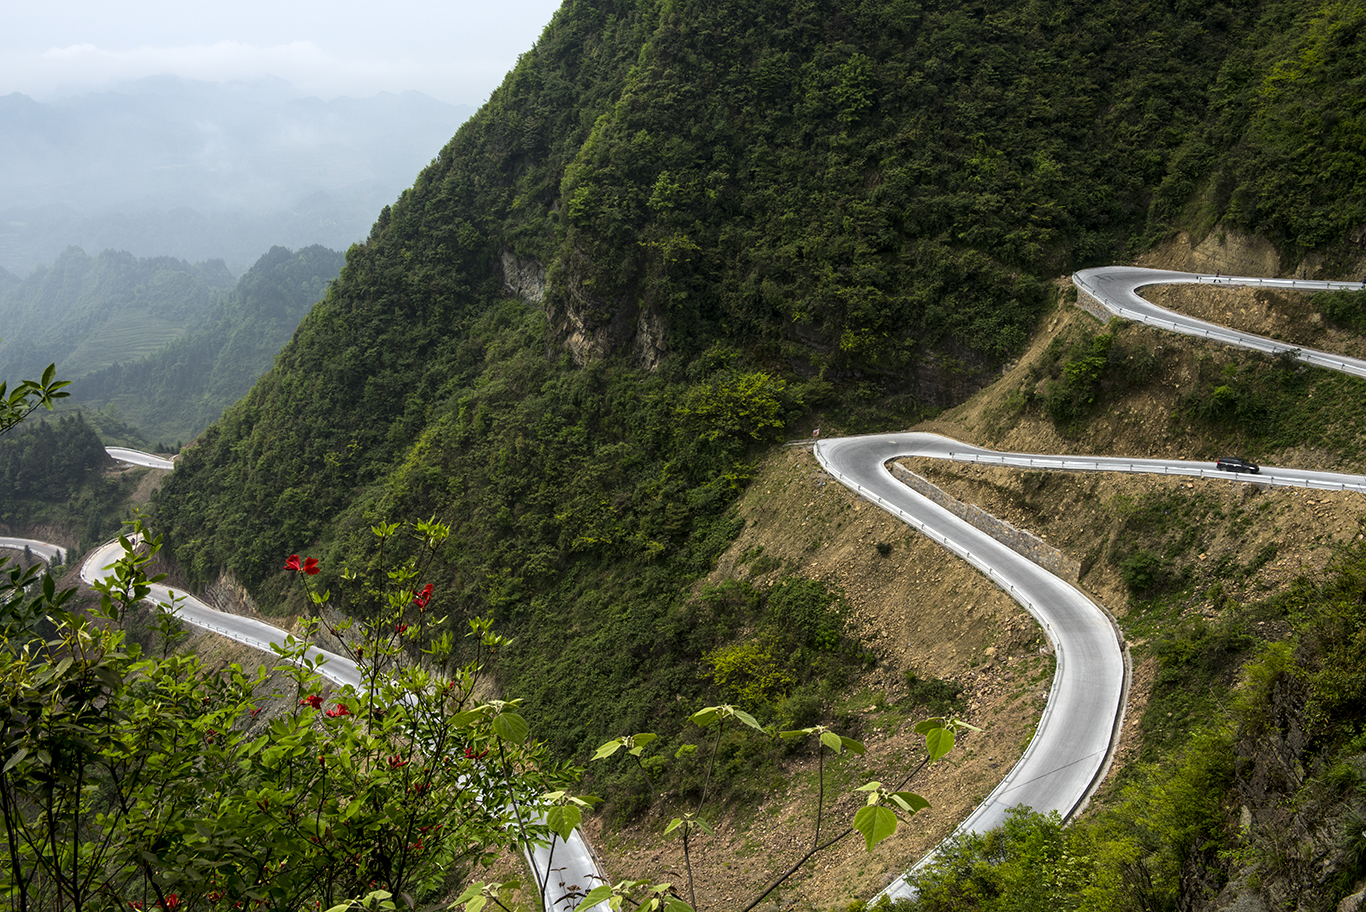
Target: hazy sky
{"x": 454, "y": 50}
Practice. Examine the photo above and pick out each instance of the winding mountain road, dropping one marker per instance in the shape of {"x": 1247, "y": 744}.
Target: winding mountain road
{"x": 1075, "y": 738}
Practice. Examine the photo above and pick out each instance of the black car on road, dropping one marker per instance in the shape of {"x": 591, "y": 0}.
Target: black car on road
{"x": 1235, "y": 464}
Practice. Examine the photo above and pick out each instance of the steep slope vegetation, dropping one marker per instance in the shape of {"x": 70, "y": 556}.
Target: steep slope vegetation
{"x": 677, "y": 230}
{"x": 174, "y": 393}
{"x": 60, "y": 484}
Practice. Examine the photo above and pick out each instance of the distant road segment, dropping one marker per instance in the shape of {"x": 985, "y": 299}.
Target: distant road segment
{"x": 45, "y": 550}
{"x": 1268, "y": 475}
{"x": 1116, "y": 289}
{"x": 139, "y": 458}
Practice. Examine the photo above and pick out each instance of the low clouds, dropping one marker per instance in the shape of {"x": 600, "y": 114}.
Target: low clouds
{"x": 453, "y": 50}
{"x": 79, "y": 68}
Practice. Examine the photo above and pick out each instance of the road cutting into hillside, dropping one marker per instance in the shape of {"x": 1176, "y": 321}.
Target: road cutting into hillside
{"x": 1076, "y": 736}
{"x": 1116, "y": 288}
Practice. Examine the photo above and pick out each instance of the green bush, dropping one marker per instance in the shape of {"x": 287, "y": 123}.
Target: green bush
{"x": 1342, "y": 308}
{"x": 937, "y": 696}
{"x": 750, "y": 672}
{"x": 808, "y": 612}
{"x": 1143, "y": 573}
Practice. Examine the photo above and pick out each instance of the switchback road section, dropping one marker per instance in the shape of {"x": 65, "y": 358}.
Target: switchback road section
{"x": 1075, "y": 738}
{"x": 1116, "y": 289}
{"x": 1072, "y": 745}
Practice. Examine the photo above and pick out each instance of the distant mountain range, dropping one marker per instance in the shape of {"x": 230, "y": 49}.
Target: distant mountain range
{"x": 195, "y": 170}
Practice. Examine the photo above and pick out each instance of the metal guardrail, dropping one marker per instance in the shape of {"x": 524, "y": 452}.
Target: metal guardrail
{"x": 1083, "y": 465}
{"x": 1200, "y": 329}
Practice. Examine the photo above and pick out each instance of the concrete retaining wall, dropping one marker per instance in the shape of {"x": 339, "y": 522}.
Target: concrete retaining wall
{"x": 1017, "y": 540}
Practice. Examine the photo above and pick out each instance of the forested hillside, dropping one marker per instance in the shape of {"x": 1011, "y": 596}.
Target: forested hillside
{"x": 85, "y": 313}
{"x": 681, "y": 230}
{"x": 174, "y": 393}
{"x": 54, "y": 473}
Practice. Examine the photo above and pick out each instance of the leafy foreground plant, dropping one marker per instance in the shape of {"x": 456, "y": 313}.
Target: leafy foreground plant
{"x": 130, "y": 781}
{"x": 28, "y": 396}
{"x": 876, "y": 820}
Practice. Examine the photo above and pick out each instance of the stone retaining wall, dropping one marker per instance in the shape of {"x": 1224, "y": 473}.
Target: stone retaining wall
{"x": 1093, "y": 307}
{"x": 1017, "y": 540}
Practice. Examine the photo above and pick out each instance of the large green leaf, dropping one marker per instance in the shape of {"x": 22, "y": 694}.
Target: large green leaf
{"x": 939, "y": 742}
{"x": 595, "y": 896}
{"x": 510, "y": 727}
{"x": 876, "y": 823}
{"x": 563, "y": 819}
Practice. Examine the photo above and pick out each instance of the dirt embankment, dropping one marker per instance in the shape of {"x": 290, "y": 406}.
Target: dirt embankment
{"x": 917, "y": 609}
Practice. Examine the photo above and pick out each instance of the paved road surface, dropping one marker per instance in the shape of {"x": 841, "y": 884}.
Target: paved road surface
{"x": 1117, "y": 287}
{"x": 137, "y": 457}
{"x": 45, "y": 550}
{"x": 1071, "y": 749}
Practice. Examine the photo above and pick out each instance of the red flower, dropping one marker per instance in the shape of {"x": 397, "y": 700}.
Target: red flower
{"x": 312, "y": 700}
{"x": 340, "y": 711}
{"x": 422, "y": 598}
{"x": 309, "y": 566}
{"x": 172, "y": 900}
{"x": 397, "y": 762}
{"x": 400, "y": 629}
{"x": 255, "y": 711}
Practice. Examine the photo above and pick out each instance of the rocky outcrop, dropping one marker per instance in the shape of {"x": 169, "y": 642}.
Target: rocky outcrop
{"x": 594, "y": 325}
{"x": 946, "y": 378}
{"x": 227, "y": 594}
{"x": 524, "y": 278}
{"x": 1300, "y": 839}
